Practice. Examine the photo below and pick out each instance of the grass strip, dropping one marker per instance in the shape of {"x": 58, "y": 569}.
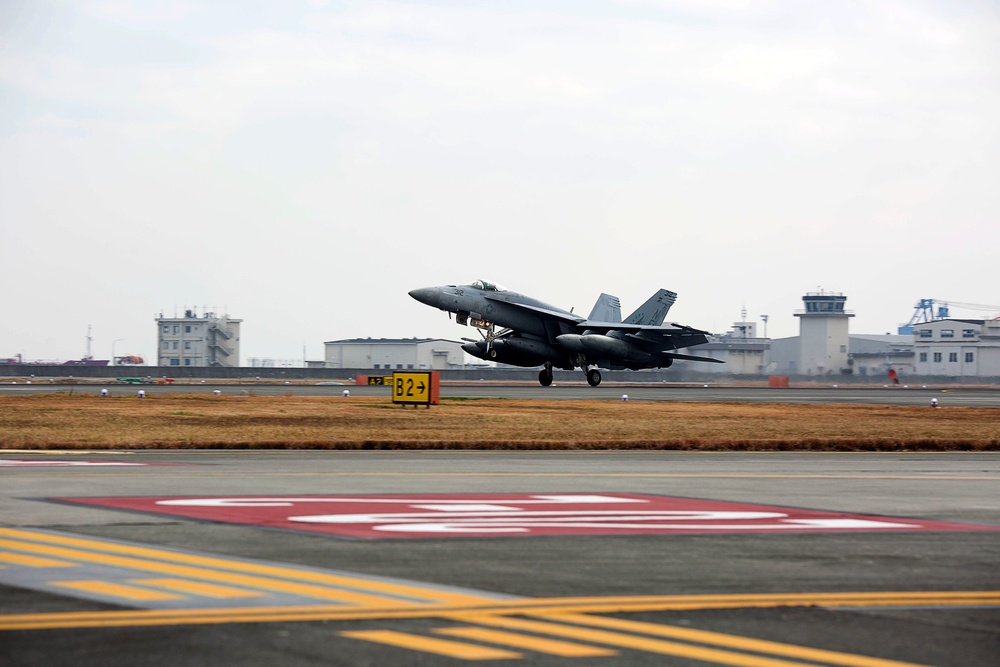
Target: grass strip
{"x": 295, "y": 422}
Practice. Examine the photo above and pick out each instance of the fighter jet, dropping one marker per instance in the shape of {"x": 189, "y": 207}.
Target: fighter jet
{"x": 519, "y": 330}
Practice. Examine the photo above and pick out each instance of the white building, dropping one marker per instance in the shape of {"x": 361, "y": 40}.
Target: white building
{"x": 395, "y": 353}
{"x": 208, "y": 340}
{"x": 957, "y": 348}
{"x": 740, "y": 349}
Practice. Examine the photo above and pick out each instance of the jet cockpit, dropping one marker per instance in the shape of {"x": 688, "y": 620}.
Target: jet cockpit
{"x": 487, "y": 286}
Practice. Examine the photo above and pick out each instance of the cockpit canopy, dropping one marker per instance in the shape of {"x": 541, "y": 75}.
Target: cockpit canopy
{"x": 488, "y": 286}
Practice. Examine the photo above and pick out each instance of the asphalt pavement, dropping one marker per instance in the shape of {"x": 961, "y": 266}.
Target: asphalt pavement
{"x": 383, "y": 558}
{"x": 706, "y": 393}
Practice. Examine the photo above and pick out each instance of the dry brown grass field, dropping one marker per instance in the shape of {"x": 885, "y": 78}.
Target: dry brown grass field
{"x": 196, "y": 421}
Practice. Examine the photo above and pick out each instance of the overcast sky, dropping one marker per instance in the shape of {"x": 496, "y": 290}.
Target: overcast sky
{"x": 302, "y": 165}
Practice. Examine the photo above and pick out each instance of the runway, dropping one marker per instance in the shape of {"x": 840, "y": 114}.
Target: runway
{"x": 644, "y": 558}
{"x": 889, "y": 395}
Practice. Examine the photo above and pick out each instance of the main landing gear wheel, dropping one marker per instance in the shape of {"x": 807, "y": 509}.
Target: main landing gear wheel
{"x": 544, "y": 378}
{"x": 594, "y": 377}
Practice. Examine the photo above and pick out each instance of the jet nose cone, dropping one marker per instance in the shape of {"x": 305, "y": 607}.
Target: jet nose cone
{"x": 426, "y": 295}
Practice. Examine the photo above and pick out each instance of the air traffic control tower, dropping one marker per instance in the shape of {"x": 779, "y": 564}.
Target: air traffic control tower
{"x": 823, "y": 334}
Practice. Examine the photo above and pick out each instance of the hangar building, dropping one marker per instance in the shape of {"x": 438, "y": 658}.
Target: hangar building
{"x": 395, "y": 353}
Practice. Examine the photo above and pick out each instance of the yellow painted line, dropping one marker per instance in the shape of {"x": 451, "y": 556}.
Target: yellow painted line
{"x": 728, "y": 641}
{"x": 32, "y": 561}
{"x": 445, "y": 647}
{"x": 318, "y": 592}
{"x": 200, "y": 588}
{"x": 415, "y": 593}
{"x": 530, "y": 643}
{"x": 534, "y": 607}
{"x": 635, "y": 643}
{"x": 846, "y": 599}
{"x": 117, "y": 590}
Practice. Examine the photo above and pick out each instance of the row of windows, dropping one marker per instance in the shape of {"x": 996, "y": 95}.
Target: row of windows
{"x": 952, "y": 357}
{"x": 172, "y": 345}
{"x": 177, "y": 362}
{"x": 948, "y": 333}
{"x": 389, "y": 366}
{"x": 176, "y": 328}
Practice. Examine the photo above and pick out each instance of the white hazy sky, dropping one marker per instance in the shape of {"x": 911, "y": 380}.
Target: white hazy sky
{"x": 302, "y": 165}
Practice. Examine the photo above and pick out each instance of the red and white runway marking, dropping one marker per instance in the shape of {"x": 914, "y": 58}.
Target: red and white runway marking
{"x": 512, "y": 515}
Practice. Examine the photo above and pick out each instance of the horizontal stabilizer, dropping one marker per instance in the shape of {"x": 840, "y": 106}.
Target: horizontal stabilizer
{"x": 689, "y": 330}
{"x": 691, "y": 357}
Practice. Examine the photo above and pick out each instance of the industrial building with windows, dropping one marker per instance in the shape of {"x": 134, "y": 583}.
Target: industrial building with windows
{"x": 957, "y": 348}
{"x": 206, "y": 341}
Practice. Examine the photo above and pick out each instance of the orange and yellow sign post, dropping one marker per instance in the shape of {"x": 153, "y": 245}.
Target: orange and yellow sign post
{"x": 416, "y": 388}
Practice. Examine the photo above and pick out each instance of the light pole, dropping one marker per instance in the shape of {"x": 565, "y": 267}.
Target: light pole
{"x": 113, "y": 343}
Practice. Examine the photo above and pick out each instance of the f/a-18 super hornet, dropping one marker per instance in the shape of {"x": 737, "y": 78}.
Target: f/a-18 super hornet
{"x": 522, "y": 331}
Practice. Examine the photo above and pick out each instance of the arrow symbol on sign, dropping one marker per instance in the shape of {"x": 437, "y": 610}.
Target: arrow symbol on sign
{"x": 420, "y": 387}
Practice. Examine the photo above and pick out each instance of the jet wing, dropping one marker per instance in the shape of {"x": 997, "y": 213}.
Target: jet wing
{"x": 560, "y": 315}
{"x": 640, "y": 329}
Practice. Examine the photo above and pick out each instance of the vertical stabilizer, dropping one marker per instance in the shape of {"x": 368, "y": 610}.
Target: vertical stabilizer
{"x": 607, "y": 309}
{"x": 654, "y": 310}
